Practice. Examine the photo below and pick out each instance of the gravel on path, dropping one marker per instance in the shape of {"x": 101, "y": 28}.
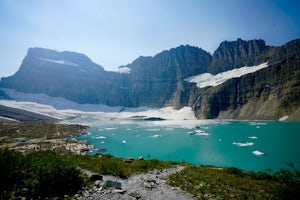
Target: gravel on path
{"x": 152, "y": 185}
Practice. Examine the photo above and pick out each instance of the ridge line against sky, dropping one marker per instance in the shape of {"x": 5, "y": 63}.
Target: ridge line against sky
{"x": 115, "y": 32}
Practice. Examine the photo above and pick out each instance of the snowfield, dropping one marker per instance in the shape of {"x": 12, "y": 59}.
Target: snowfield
{"x": 69, "y": 111}
{"x": 207, "y": 79}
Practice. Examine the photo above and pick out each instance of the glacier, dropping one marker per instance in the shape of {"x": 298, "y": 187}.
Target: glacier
{"x": 207, "y": 79}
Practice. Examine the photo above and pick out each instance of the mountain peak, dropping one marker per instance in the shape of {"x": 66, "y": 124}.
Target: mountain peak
{"x": 66, "y": 58}
{"x": 239, "y": 53}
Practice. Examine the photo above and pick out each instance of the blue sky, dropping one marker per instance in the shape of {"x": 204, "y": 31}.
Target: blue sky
{"x": 115, "y": 32}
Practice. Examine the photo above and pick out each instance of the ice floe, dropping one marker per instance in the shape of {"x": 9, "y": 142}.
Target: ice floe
{"x": 252, "y": 137}
{"x": 155, "y": 136}
{"x": 198, "y": 132}
{"x": 99, "y": 137}
{"x": 240, "y": 144}
{"x": 257, "y": 123}
{"x": 258, "y": 153}
{"x": 283, "y": 118}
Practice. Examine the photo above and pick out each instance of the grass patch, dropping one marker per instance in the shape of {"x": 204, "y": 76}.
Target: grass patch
{"x": 233, "y": 183}
{"x": 109, "y": 165}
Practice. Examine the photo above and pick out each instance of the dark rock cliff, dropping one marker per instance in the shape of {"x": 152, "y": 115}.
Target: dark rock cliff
{"x": 269, "y": 93}
{"x": 235, "y": 54}
{"x": 59, "y": 74}
{"x": 155, "y": 81}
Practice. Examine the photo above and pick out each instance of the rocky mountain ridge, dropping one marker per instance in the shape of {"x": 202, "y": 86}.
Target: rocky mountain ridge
{"x": 159, "y": 81}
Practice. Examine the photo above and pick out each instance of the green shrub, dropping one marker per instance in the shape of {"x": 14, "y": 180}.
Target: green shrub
{"x": 55, "y": 175}
{"x": 11, "y": 173}
{"x": 235, "y": 171}
{"x": 40, "y": 174}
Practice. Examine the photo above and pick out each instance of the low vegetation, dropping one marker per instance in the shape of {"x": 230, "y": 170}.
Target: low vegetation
{"x": 37, "y": 175}
{"x": 233, "y": 183}
{"x": 109, "y": 165}
{"x": 41, "y": 174}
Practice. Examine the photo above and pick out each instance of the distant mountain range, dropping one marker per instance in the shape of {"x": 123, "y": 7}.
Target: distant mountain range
{"x": 269, "y": 90}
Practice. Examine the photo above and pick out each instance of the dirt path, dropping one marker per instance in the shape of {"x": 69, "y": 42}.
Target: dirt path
{"x": 141, "y": 186}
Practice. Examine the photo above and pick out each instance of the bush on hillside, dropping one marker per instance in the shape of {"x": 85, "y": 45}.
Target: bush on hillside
{"x": 40, "y": 174}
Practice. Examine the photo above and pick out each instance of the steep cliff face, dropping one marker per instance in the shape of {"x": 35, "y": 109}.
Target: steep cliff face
{"x": 269, "y": 93}
{"x": 235, "y": 54}
{"x": 154, "y": 80}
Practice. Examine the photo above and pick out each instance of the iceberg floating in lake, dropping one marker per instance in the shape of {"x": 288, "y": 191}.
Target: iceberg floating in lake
{"x": 154, "y": 136}
{"x": 283, "y": 118}
{"x": 257, "y": 124}
{"x": 252, "y": 137}
{"x": 258, "y": 153}
{"x": 240, "y": 144}
{"x": 99, "y": 137}
{"x": 198, "y": 132}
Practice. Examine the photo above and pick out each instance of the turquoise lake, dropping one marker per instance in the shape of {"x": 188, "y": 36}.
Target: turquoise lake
{"x": 249, "y": 145}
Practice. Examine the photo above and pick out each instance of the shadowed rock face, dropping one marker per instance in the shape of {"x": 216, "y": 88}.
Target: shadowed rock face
{"x": 266, "y": 94}
{"x": 230, "y": 55}
{"x": 159, "y": 81}
{"x": 155, "y": 81}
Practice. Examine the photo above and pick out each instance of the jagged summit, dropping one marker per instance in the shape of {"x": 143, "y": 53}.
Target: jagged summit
{"x": 234, "y": 54}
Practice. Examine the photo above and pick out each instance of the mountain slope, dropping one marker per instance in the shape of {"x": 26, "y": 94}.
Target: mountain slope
{"x": 269, "y": 93}
{"x": 158, "y": 81}
{"x": 154, "y": 81}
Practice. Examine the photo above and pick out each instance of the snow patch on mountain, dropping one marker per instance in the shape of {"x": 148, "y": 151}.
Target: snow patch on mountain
{"x": 123, "y": 70}
{"x": 62, "y": 62}
{"x": 207, "y": 79}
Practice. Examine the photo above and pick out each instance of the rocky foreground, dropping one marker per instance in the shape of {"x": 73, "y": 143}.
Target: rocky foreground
{"x": 151, "y": 185}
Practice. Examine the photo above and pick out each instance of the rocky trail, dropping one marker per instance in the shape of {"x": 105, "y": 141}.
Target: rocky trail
{"x": 152, "y": 185}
